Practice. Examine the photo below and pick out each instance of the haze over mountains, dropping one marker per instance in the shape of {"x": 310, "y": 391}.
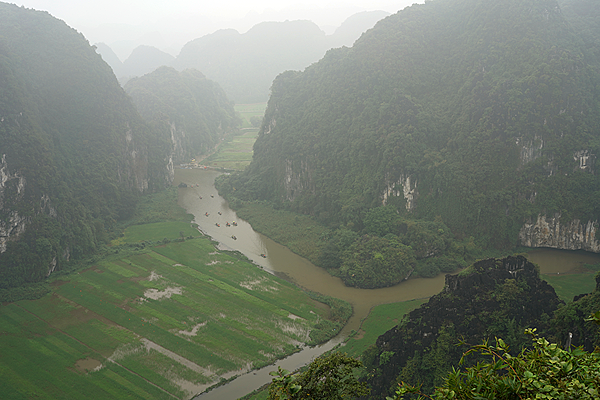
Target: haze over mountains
{"x": 75, "y": 154}
{"x": 449, "y": 126}
{"x": 246, "y": 64}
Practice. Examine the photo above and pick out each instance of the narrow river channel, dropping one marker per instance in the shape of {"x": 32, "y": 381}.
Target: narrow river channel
{"x": 201, "y": 199}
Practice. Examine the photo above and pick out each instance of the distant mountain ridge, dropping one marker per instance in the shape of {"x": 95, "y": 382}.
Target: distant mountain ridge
{"x": 246, "y": 64}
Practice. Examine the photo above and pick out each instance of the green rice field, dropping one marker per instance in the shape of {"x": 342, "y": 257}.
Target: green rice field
{"x": 235, "y": 152}
{"x": 162, "y": 322}
{"x": 568, "y": 286}
{"x": 381, "y": 319}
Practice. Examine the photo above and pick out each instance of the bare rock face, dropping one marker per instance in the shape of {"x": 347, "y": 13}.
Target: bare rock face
{"x": 13, "y": 224}
{"x": 549, "y": 232}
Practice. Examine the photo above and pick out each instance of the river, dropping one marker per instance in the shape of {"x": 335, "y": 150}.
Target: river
{"x": 201, "y": 199}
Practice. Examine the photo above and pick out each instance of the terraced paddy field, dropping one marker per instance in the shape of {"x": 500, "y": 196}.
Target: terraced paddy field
{"x": 166, "y": 321}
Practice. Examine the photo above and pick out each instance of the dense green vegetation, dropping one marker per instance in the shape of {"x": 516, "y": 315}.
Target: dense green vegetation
{"x": 75, "y": 154}
{"x": 118, "y": 327}
{"x": 389, "y": 249}
{"x": 484, "y": 301}
{"x": 471, "y": 115}
{"x": 188, "y": 109}
{"x": 329, "y": 377}
{"x": 545, "y": 371}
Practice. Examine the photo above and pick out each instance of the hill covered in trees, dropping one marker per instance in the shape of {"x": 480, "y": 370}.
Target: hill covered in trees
{"x": 496, "y": 331}
{"x": 191, "y": 110}
{"x": 493, "y": 298}
{"x": 482, "y": 116}
{"x": 75, "y": 154}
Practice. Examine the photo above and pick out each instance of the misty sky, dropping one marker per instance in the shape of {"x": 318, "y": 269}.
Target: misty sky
{"x": 169, "y": 24}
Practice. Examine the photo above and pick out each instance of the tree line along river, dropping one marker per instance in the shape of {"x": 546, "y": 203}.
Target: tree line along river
{"x": 212, "y": 215}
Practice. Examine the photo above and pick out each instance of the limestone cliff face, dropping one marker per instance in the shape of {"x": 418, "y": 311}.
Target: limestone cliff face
{"x": 74, "y": 152}
{"x": 405, "y": 186}
{"x": 133, "y": 169}
{"x": 550, "y": 232}
{"x": 298, "y": 179}
{"x": 13, "y": 224}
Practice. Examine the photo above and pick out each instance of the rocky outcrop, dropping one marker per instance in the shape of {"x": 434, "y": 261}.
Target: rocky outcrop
{"x": 406, "y": 186}
{"x": 585, "y": 159}
{"x": 13, "y": 224}
{"x": 494, "y": 297}
{"x": 297, "y": 180}
{"x": 549, "y": 232}
{"x": 530, "y": 150}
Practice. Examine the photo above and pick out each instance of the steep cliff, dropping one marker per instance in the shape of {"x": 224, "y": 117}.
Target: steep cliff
{"x": 482, "y": 113}
{"x": 493, "y": 298}
{"x": 191, "y": 112}
{"x": 74, "y": 152}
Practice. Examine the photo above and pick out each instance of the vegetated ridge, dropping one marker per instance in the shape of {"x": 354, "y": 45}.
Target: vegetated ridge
{"x": 494, "y": 298}
{"x": 482, "y": 116}
{"x": 75, "y": 154}
{"x": 191, "y": 110}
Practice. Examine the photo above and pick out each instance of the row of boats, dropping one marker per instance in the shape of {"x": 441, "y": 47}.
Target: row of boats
{"x": 227, "y": 224}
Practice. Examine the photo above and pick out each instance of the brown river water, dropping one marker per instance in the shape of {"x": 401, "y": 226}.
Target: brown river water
{"x": 201, "y": 197}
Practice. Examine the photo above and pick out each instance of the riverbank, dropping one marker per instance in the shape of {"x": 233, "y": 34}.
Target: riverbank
{"x": 202, "y": 199}
{"x": 164, "y": 314}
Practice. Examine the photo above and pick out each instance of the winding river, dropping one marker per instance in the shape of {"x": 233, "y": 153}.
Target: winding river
{"x": 201, "y": 199}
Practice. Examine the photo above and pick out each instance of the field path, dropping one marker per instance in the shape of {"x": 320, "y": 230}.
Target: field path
{"x": 95, "y": 351}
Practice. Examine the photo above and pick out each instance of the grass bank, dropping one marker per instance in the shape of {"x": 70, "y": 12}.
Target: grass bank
{"x": 163, "y": 314}
{"x": 570, "y": 285}
{"x": 299, "y": 233}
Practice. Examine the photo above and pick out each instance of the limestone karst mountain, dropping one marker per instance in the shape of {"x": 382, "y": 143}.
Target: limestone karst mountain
{"x": 186, "y": 107}
{"x": 483, "y": 114}
{"x": 75, "y": 153}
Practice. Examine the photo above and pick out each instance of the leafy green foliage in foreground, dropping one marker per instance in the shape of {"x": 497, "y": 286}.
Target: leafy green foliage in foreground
{"x": 329, "y": 377}
{"x": 545, "y": 371}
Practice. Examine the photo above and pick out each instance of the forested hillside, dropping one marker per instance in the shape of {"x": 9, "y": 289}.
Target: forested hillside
{"x": 190, "y": 110}
{"x": 483, "y": 116}
{"x": 74, "y": 152}
{"x": 493, "y": 298}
